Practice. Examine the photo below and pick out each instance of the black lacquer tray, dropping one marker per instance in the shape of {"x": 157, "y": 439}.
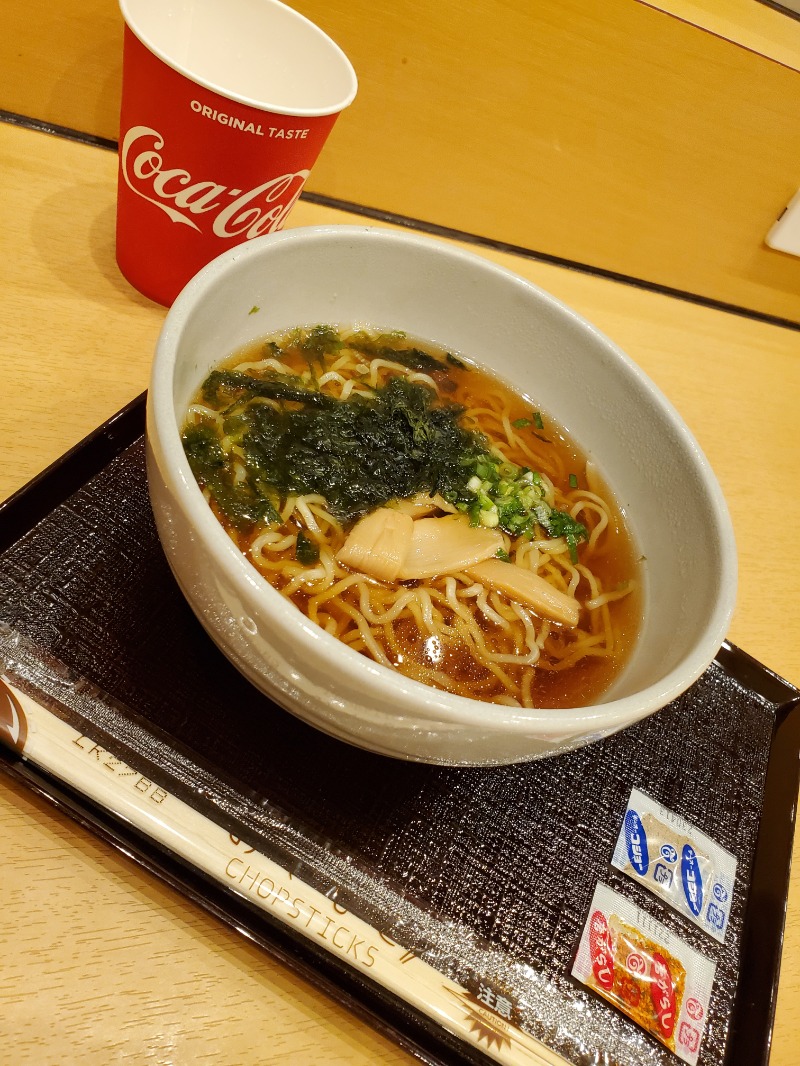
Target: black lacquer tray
{"x": 480, "y": 877}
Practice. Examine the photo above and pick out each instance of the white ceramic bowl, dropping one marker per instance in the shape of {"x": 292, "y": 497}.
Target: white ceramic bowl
{"x": 432, "y": 290}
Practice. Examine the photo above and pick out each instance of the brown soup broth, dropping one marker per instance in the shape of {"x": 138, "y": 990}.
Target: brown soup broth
{"x": 539, "y": 444}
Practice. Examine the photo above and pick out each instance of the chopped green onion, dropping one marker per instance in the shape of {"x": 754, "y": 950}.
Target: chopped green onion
{"x": 512, "y": 497}
{"x": 537, "y": 420}
{"x": 572, "y": 544}
{"x": 521, "y": 423}
{"x": 573, "y": 481}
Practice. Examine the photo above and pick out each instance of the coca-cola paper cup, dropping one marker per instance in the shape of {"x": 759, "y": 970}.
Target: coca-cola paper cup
{"x": 226, "y": 105}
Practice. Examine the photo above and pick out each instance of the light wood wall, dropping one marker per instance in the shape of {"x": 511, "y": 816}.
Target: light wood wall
{"x": 658, "y": 141}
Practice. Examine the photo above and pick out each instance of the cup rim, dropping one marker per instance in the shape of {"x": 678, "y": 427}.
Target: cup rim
{"x": 413, "y": 698}
{"x": 241, "y": 98}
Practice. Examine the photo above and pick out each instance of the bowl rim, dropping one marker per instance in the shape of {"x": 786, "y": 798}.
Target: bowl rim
{"x": 409, "y": 696}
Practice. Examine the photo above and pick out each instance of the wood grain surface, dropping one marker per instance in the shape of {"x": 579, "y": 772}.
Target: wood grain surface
{"x": 100, "y": 963}
{"x": 655, "y": 140}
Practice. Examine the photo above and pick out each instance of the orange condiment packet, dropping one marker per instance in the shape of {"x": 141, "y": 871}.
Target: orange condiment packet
{"x": 645, "y": 971}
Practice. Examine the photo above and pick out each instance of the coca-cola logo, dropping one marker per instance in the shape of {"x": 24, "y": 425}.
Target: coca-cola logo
{"x": 232, "y": 212}
{"x": 13, "y": 726}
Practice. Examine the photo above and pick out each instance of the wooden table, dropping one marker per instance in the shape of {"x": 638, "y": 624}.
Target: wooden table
{"x": 99, "y": 962}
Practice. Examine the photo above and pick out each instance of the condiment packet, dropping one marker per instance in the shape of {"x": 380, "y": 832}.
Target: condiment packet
{"x": 677, "y": 862}
{"x": 646, "y": 972}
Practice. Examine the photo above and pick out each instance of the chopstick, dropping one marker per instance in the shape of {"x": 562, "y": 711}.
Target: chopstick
{"x": 79, "y": 761}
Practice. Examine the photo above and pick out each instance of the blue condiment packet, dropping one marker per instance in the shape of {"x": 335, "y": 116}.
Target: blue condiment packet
{"x": 677, "y": 862}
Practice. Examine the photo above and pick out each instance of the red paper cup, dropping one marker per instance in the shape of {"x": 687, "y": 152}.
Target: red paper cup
{"x": 226, "y": 105}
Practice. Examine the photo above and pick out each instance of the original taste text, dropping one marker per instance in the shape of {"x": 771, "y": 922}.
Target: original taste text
{"x": 224, "y": 119}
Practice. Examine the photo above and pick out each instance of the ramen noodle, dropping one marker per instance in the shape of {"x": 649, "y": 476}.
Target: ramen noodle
{"x": 646, "y": 972}
{"x": 421, "y": 511}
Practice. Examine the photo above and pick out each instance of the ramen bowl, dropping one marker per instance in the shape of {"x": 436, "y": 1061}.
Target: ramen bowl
{"x": 465, "y": 303}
